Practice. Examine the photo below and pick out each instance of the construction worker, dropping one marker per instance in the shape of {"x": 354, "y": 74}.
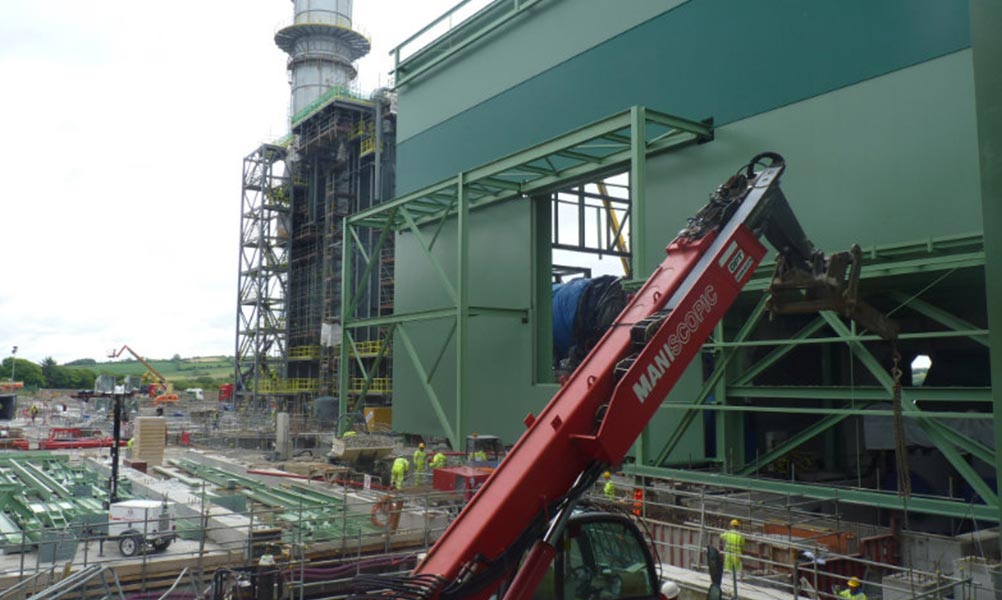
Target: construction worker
{"x": 33, "y": 411}
{"x": 400, "y": 467}
{"x": 638, "y": 502}
{"x": 129, "y": 444}
{"x": 670, "y": 590}
{"x": 610, "y": 488}
{"x": 854, "y": 591}
{"x": 734, "y": 544}
{"x": 437, "y": 461}
{"x": 420, "y": 463}
{"x": 478, "y": 454}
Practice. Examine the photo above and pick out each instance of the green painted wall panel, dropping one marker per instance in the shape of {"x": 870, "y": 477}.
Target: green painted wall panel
{"x": 891, "y": 159}
{"x": 535, "y": 43}
{"x": 872, "y": 159}
{"x": 500, "y": 374}
{"x": 726, "y": 59}
{"x": 864, "y": 166}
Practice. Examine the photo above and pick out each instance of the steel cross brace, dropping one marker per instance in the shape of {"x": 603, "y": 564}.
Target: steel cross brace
{"x": 931, "y": 428}
{"x": 720, "y": 369}
{"x": 939, "y": 315}
{"x": 425, "y": 379}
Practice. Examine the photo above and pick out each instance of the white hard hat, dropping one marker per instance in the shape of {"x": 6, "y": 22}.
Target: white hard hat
{"x": 670, "y": 590}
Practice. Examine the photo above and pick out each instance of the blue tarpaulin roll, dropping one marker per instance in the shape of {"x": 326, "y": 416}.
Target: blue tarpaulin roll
{"x": 565, "y": 306}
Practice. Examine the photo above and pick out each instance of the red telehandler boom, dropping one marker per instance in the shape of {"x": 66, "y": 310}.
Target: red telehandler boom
{"x": 527, "y": 513}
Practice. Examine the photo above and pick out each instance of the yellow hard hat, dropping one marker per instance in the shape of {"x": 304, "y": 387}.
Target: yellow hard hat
{"x": 735, "y": 523}
{"x": 607, "y": 474}
{"x": 421, "y": 445}
{"x": 854, "y": 582}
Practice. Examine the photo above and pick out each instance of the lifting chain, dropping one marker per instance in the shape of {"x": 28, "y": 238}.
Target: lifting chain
{"x": 900, "y": 441}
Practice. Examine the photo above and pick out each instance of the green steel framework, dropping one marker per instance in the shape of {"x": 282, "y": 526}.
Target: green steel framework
{"x": 610, "y": 145}
{"x": 625, "y": 141}
{"x": 935, "y": 258}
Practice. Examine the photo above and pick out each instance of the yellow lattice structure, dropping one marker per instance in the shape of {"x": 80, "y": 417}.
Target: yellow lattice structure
{"x": 288, "y": 386}
{"x": 364, "y": 349}
{"x": 379, "y": 385}
{"x": 367, "y": 146}
{"x": 304, "y": 353}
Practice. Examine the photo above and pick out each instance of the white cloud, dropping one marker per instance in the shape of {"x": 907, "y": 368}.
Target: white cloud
{"x": 124, "y": 127}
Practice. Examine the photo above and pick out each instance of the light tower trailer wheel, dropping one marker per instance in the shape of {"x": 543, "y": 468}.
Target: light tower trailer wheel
{"x": 131, "y": 543}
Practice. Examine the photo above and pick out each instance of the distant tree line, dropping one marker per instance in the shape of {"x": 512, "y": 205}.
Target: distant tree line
{"x": 49, "y": 374}
{"x": 52, "y": 375}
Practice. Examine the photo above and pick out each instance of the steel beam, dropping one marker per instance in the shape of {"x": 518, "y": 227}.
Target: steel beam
{"x": 921, "y": 335}
{"x": 891, "y": 501}
{"x": 869, "y": 392}
{"x": 940, "y": 316}
{"x": 920, "y": 416}
{"x": 531, "y": 178}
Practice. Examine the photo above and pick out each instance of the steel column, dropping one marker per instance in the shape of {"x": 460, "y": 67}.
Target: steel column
{"x": 986, "y": 46}
{"x": 462, "y": 308}
{"x": 638, "y": 197}
{"x": 346, "y": 317}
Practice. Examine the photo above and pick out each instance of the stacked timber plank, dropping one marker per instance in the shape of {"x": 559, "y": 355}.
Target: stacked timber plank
{"x": 149, "y": 439}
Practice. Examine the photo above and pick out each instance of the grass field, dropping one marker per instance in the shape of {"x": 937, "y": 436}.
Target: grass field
{"x": 217, "y": 367}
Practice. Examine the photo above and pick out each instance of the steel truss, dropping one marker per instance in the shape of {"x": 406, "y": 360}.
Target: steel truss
{"x": 620, "y": 142}
{"x": 731, "y": 385}
{"x": 263, "y": 275}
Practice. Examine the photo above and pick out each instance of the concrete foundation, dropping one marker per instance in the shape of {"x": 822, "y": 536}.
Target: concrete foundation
{"x": 939, "y": 553}
{"x": 908, "y": 586}
{"x": 985, "y": 579}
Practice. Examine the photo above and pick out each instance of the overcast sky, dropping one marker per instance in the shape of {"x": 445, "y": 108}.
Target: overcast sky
{"x": 123, "y": 127}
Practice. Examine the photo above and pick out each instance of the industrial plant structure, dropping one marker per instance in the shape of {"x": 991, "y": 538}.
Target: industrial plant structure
{"x": 538, "y": 140}
{"x": 877, "y": 112}
{"x": 500, "y": 123}
{"x": 435, "y": 258}
{"x": 337, "y": 159}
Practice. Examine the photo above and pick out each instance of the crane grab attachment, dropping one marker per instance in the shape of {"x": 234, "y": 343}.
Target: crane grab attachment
{"x": 507, "y": 531}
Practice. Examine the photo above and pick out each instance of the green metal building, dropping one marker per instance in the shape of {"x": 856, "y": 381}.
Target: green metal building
{"x": 889, "y": 116}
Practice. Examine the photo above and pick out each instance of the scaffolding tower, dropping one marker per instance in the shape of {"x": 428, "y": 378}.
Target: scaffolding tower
{"x": 263, "y": 276}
